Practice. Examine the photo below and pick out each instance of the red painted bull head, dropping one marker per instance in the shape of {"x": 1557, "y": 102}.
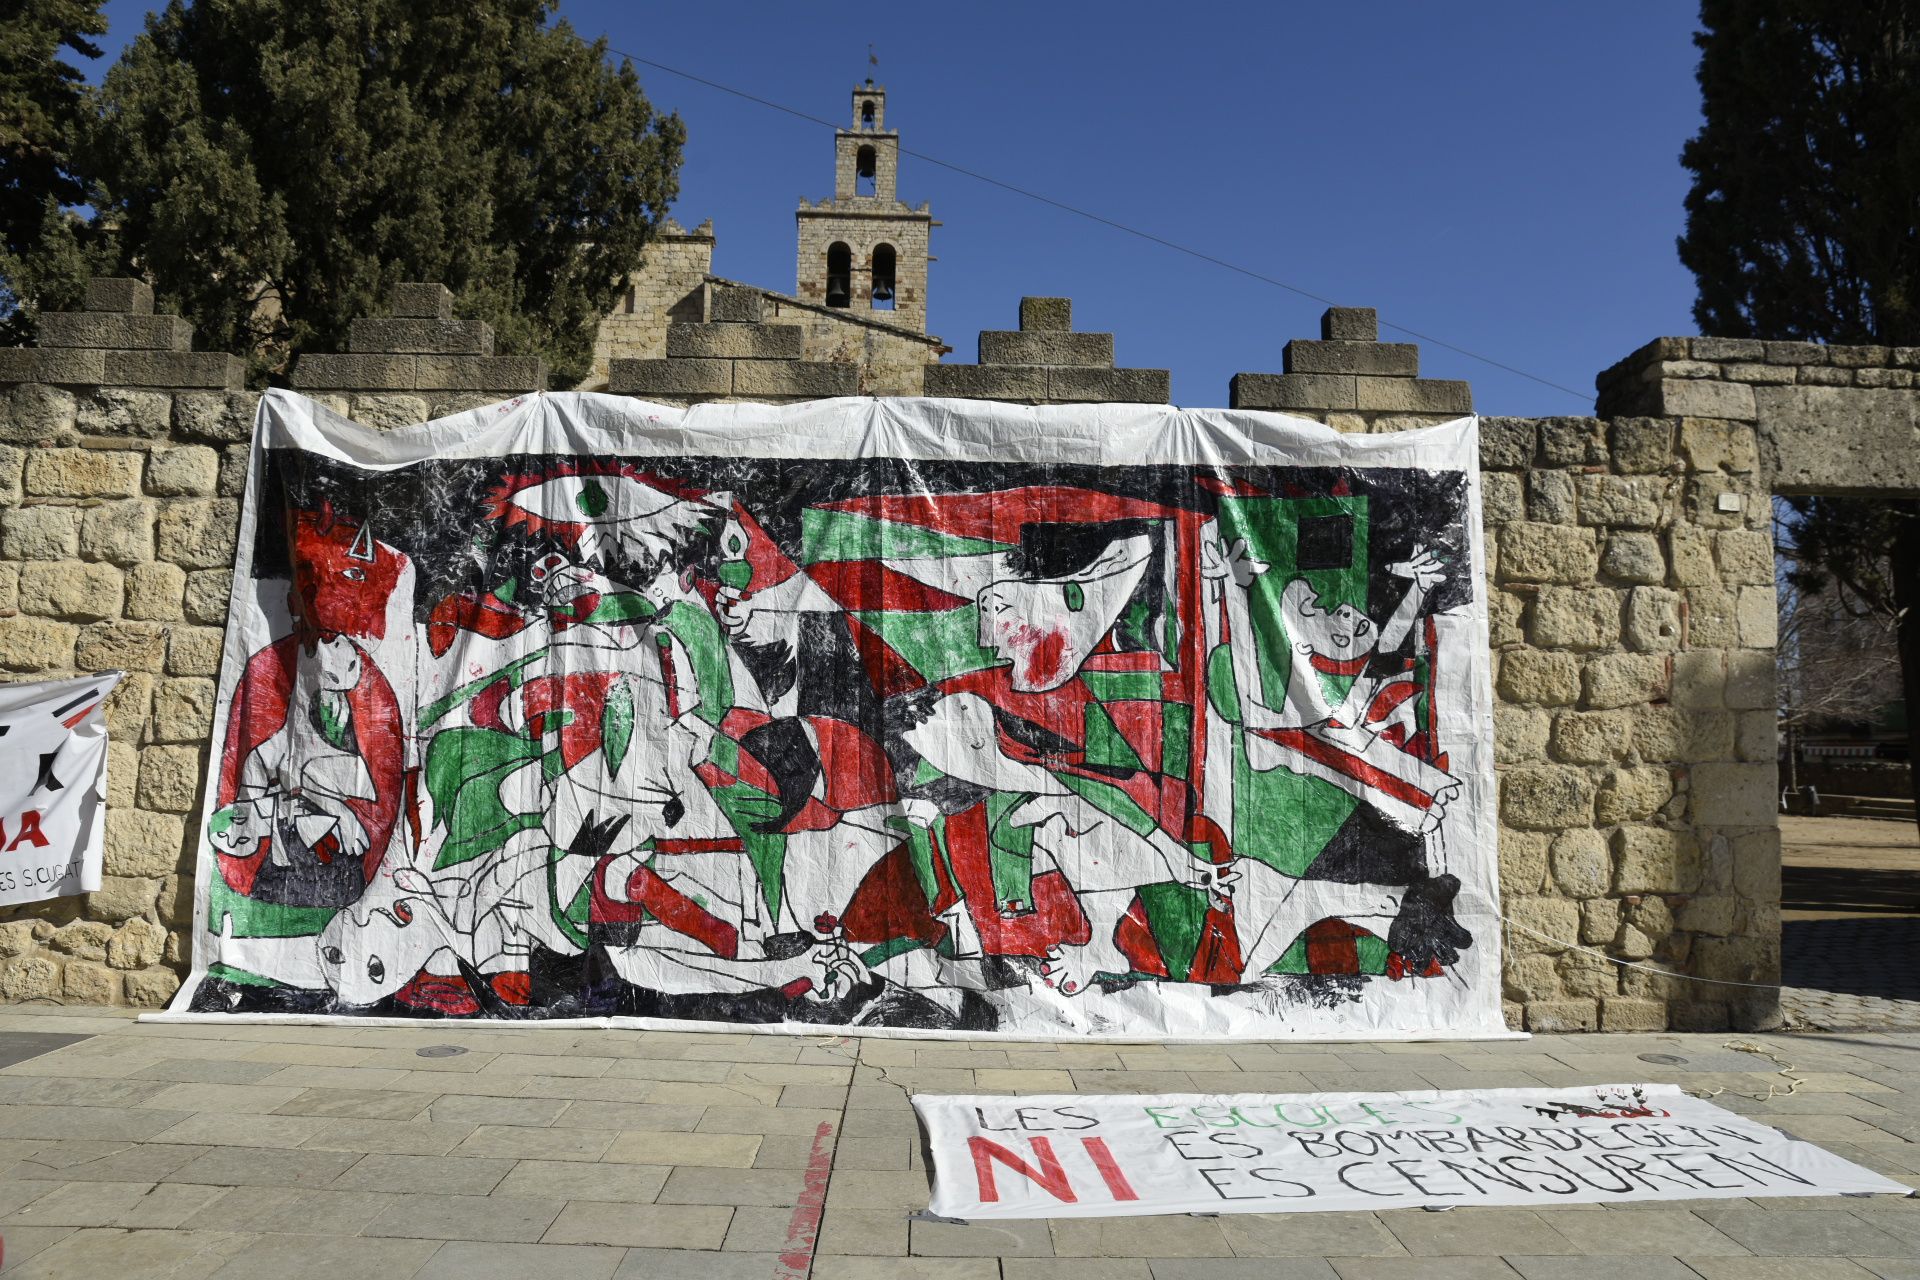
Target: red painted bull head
{"x": 342, "y": 576}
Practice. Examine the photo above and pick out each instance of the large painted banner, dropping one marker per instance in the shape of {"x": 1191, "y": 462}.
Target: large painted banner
{"x": 1059, "y": 1156}
{"x": 53, "y": 786}
{"x": 937, "y": 716}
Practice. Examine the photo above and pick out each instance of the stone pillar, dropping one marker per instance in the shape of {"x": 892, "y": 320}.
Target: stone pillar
{"x": 1045, "y": 362}
{"x": 1352, "y": 381}
{"x": 416, "y": 364}
{"x": 735, "y": 355}
{"x": 119, "y": 340}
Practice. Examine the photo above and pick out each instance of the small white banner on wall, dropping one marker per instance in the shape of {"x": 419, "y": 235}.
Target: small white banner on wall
{"x": 1067, "y": 1156}
{"x": 53, "y": 786}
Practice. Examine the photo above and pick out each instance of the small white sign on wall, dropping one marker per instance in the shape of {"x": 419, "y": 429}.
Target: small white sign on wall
{"x": 53, "y": 786}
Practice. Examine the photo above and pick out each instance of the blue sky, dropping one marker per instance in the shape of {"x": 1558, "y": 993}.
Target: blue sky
{"x": 1503, "y": 176}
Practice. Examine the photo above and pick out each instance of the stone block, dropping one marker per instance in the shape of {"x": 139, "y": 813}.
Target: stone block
{"x": 421, "y": 300}
{"x": 1581, "y": 862}
{"x": 1573, "y": 618}
{"x": 123, "y": 771}
{"x": 1551, "y": 498}
{"x": 1795, "y": 353}
{"x": 188, "y": 472}
{"x": 121, "y": 898}
{"x": 82, "y": 473}
{"x": 1563, "y": 1015}
{"x": 136, "y": 944}
{"x": 1290, "y": 391}
{"x": 1712, "y": 618}
{"x": 33, "y": 977}
{"x": 183, "y": 709}
{"x": 1654, "y": 621}
{"x": 1690, "y": 551}
{"x": 812, "y": 379}
{"x": 732, "y": 304}
{"x": 1750, "y": 680}
{"x": 84, "y": 982}
{"x": 36, "y": 644}
{"x": 119, "y": 293}
{"x": 1047, "y": 347}
{"x": 1532, "y": 677}
{"x": 1543, "y": 925}
{"x": 1110, "y": 386}
{"x": 233, "y": 473}
{"x": 118, "y": 531}
{"x": 1519, "y": 734}
{"x": 1506, "y": 619}
{"x": 1535, "y": 552}
{"x": 1523, "y": 861}
{"x": 1413, "y": 395}
{"x": 33, "y": 413}
{"x": 481, "y": 373}
{"x": 70, "y": 589}
{"x": 1350, "y": 324}
{"x": 121, "y": 646}
{"x": 194, "y": 651}
{"x": 1506, "y": 444}
{"x": 670, "y": 377}
{"x": 1573, "y": 442}
{"x": 1700, "y": 680}
{"x": 986, "y": 382}
{"x": 1714, "y": 916}
{"x": 387, "y": 410}
{"x": 129, "y": 707}
{"x": 1373, "y": 359}
{"x": 1591, "y": 737}
{"x": 734, "y": 341}
{"x": 150, "y": 988}
{"x": 1546, "y": 798}
{"x": 1693, "y": 398}
{"x": 1757, "y": 736}
{"x": 1046, "y": 314}
{"x": 1599, "y": 920}
{"x": 1632, "y": 502}
{"x": 1759, "y": 374}
{"x": 1502, "y": 497}
{"x": 199, "y": 535}
{"x": 196, "y": 369}
{"x": 1623, "y": 1013}
{"x": 1745, "y": 557}
{"x": 139, "y": 843}
{"x": 1813, "y": 375}
{"x": 169, "y": 779}
{"x": 321, "y": 372}
{"x": 1759, "y": 616}
{"x": 1632, "y": 795}
{"x": 208, "y": 594}
{"x": 1634, "y": 557}
{"x": 215, "y": 417}
{"x": 377, "y": 336}
{"x": 1654, "y": 860}
{"x": 40, "y": 533}
{"x": 114, "y": 332}
{"x": 52, "y": 364}
{"x": 1728, "y": 349}
{"x": 1533, "y": 978}
{"x": 1880, "y": 378}
{"x": 1857, "y": 357}
{"x": 1641, "y": 445}
{"x": 82, "y": 939}
{"x": 1625, "y": 680}
{"x": 110, "y": 411}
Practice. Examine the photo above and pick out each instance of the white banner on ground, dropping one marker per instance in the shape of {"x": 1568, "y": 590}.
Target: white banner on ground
{"x": 1068, "y": 1156}
{"x": 53, "y": 786}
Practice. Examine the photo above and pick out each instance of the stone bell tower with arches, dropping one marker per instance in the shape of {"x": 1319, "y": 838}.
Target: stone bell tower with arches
{"x": 865, "y": 250}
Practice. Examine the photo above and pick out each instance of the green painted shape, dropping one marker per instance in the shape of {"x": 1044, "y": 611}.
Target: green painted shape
{"x": 699, "y": 634}
{"x": 239, "y": 977}
{"x": 1105, "y": 745}
{"x": 1223, "y": 690}
{"x": 885, "y": 951}
{"x": 923, "y": 773}
{"x": 1284, "y": 818}
{"x": 1373, "y": 952}
{"x": 724, "y": 752}
{"x": 253, "y": 919}
{"x": 1370, "y": 955}
{"x": 920, "y": 855}
{"x": 1110, "y": 800}
{"x": 1176, "y": 739}
{"x": 1009, "y": 850}
{"x": 571, "y": 920}
{"x": 592, "y": 499}
{"x": 616, "y": 724}
{"x": 447, "y": 702}
{"x": 465, "y": 768}
{"x": 1176, "y": 914}
{"x": 1293, "y": 959}
{"x": 743, "y": 806}
{"x": 842, "y": 535}
{"x": 1271, "y": 528}
{"x": 621, "y": 607}
{"x": 1119, "y": 686}
{"x": 937, "y": 645}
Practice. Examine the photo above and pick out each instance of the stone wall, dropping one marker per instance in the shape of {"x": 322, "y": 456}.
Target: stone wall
{"x": 1630, "y": 596}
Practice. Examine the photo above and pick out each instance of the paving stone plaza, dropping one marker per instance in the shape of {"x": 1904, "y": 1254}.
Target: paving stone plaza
{"x": 140, "y": 1150}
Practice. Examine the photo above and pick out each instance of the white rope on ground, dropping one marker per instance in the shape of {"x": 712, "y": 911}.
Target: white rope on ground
{"x": 1787, "y": 1069}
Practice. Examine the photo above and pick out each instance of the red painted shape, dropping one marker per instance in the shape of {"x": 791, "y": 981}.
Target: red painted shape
{"x": 342, "y": 577}
{"x": 1351, "y": 765}
{"x": 890, "y": 904}
{"x": 682, "y": 914}
{"x": 803, "y": 1229}
{"x": 1339, "y": 666}
{"x": 886, "y": 669}
{"x": 997, "y": 516}
{"x": 485, "y": 615}
{"x": 1051, "y": 1174}
{"x": 869, "y": 584}
{"x": 1109, "y": 1169}
{"x": 1135, "y": 939}
{"x": 1331, "y": 947}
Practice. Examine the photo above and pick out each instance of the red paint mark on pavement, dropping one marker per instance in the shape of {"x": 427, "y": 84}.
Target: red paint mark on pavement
{"x": 803, "y": 1230}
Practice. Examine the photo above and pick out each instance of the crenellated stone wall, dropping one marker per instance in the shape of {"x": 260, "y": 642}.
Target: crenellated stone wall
{"x": 1630, "y": 587}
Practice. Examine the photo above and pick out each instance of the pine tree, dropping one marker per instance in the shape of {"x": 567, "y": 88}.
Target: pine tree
{"x": 1804, "y": 224}
{"x": 275, "y": 168}
{"x": 46, "y": 251}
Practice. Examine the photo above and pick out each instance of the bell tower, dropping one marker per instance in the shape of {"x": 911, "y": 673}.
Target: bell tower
{"x": 865, "y": 250}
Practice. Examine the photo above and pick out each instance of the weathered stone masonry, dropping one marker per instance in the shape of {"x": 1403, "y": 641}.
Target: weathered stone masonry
{"x": 1630, "y": 591}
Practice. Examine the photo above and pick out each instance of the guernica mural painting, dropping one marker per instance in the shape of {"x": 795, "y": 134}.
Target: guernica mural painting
{"x": 923, "y": 715}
